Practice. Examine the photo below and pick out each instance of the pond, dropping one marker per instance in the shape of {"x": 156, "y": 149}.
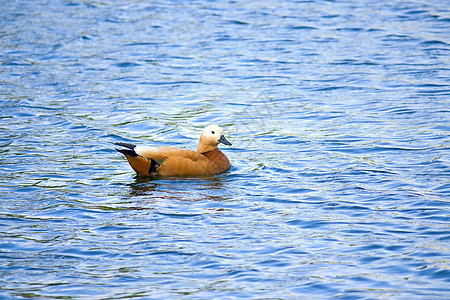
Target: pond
{"x": 338, "y": 112}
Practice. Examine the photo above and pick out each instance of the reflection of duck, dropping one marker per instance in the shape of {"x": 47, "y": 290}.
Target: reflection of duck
{"x": 192, "y": 189}
{"x": 170, "y": 161}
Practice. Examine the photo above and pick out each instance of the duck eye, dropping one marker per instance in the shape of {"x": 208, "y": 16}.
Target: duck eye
{"x": 213, "y": 132}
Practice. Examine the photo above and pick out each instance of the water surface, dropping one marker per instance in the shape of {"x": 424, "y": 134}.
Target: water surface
{"x": 338, "y": 112}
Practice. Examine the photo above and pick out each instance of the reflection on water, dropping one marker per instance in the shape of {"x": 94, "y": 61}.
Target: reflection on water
{"x": 207, "y": 188}
{"x": 338, "y": 115}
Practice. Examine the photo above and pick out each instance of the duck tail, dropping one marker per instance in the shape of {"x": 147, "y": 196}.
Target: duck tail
{"x": 130, "y": 151}
{"x": 141, "y": 165}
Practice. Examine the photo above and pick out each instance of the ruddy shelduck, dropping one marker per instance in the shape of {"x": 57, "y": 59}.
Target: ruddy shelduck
{"x": 170, "y": 161}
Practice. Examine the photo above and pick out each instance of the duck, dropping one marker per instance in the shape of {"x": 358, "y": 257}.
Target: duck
{"x": 168, "y": 161}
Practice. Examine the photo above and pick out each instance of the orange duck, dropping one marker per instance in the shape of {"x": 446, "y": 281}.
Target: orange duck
{"x": 170, "y": 161}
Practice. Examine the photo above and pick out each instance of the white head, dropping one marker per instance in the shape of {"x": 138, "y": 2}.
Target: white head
{"x": 211, "y": 136}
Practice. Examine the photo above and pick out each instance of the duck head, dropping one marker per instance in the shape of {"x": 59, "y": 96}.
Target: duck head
{"x": 211, "y": 137}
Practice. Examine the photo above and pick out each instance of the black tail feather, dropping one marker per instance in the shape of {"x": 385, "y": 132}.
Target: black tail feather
{"x": 126, "y": 145}
{"x": 128, "y": 152}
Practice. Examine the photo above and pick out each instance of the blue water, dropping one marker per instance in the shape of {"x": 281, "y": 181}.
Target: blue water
{"x": 339, "y": 116}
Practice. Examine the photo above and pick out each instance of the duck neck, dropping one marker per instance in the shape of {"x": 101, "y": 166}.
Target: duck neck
{"x": 204, "y": 148}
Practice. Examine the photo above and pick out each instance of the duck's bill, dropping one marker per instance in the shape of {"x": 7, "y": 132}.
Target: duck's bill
{"x": 224, "y": 141}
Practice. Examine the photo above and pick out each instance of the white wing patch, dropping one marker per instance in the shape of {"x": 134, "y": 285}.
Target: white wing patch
{"x": 147, "y": 151}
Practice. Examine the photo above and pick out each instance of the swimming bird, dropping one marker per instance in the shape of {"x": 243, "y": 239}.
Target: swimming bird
{"x": 171, "y": 161}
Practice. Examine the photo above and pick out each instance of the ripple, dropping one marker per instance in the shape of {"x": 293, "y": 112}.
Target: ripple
{"x": 127, "y": 65}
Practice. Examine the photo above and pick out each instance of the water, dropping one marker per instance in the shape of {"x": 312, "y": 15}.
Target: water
{"x": 338, "y": 112}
